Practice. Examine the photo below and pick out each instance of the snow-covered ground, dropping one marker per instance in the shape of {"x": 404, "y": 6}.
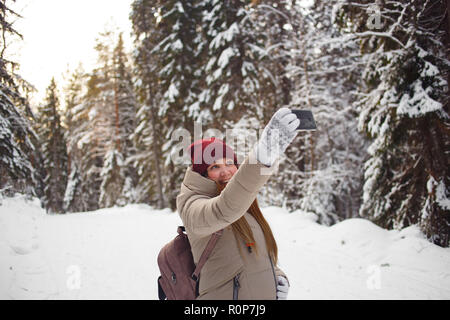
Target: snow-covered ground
{"x": 111, "y": 254}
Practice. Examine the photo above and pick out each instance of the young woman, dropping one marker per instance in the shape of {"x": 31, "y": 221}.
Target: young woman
{"x": 219, "y": 194}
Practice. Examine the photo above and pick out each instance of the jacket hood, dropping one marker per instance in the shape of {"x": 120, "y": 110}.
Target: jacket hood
{"x": 199, "y": 184}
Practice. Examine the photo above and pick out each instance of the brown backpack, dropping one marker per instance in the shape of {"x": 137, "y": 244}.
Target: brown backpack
{"x": 179, "y": 277}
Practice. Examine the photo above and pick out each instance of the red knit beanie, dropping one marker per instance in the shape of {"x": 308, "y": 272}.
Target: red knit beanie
{"x": 205, "y": 151}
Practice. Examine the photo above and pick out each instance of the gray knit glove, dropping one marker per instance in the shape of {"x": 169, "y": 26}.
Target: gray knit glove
{"x": 282, "y": 288}
{"x": 276, "y": 136}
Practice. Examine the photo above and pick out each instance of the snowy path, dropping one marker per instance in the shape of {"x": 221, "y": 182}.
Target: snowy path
{"x": 111, "y": 254}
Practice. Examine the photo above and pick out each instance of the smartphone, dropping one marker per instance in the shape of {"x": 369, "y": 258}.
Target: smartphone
{"x": 306, "y": 118}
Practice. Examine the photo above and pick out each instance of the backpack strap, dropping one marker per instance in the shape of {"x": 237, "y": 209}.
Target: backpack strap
{"x": 205, "y": 255}
{"x": 161, "y": 293}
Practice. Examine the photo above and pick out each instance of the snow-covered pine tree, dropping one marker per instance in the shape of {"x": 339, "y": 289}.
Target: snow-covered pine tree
{"x": 74, "y": 123}
{"x": 117, "y": 179}
{"x": 16, "y": 147}
{"x": 126, "y": 107}
{"x": 125, "y": 98}
{"x": 148, "y": 136}
{"x": 323, "y": 169}
{"x": 112, "y": 180}
{"x": 95, "y": 114}
{"x": 54, "y": 151}
{"x": 19, "y": 146}
{"x": 404, "y": 108}
{"x": 230, "y": 54}
{"x": 273, "y": 22}
{"x": 177, "y": 71}
{"x": 103, "y": 103}
{"x": 95, "y": 139}
{"x": 100, "y": 120}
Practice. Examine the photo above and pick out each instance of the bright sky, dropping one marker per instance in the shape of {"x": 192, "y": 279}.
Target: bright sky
{"x": 58, "y": 34}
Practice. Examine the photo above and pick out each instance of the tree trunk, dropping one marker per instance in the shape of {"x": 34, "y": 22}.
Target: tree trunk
{"x": 116, "y": 105}
{"x": 161, "y": 201}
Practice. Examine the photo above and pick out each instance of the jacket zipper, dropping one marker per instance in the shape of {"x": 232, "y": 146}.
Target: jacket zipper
{"x": 274, "y": 276}
{"x": 236, "y": 286}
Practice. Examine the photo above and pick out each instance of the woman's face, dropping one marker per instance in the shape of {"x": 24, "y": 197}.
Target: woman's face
{"x": 221, "y": 170}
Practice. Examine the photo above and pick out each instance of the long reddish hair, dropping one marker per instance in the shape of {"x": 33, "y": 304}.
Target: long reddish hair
{"x": 243, "y": 231}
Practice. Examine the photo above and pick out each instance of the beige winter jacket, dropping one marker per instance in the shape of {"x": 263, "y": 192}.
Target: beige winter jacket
{"x": 204, "y": 212}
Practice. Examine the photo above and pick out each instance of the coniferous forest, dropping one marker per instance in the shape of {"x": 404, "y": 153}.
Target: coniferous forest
{"x": 374, "y": 74}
